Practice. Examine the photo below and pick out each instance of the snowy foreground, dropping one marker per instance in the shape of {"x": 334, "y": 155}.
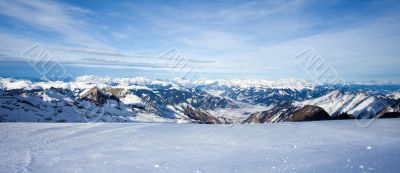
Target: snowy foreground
{"x": 326, "y": 146}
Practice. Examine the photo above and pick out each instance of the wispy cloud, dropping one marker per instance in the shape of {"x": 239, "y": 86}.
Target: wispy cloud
{"x": 95, "y": 52}
{"x": 53, "y": 17}
{"x": 94, "y": 61}
{"x": 256, "y": 37}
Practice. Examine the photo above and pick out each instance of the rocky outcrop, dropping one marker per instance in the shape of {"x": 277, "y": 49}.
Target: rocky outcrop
{"x": 288, "y": 112}
{"x": 199, "y": 115}
{"x": 342, "y": 116}
{"x": 309, "y": 113}
{"x": 390, "y": 115}
{"x": 390, "y": 112}
{"x": 95, "y": 95}
{"x": 257, "y": 117}
{"x": 278, "y": 113}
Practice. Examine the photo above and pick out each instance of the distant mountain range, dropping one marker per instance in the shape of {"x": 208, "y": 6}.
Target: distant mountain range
{"x": 103, "y": 99}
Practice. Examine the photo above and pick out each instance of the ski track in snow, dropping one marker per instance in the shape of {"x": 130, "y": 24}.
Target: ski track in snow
{"x": 325, "y": 146}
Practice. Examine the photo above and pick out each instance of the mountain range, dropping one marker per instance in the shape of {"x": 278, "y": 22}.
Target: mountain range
{"x": 104, "y": 99}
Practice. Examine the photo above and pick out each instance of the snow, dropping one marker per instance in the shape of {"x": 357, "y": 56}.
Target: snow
{"x": 336, "y": 102}
{"x": 89, "y": 79}
{"x": 131, "y": 99}
{"x": 49, "y": 84}
{"x": 85, "y": 91}
{"x": 153, "y": 118}
{"x": 238, "y": 115}
{"x": 326, "y": 146}
{"x": 82, "y": 82}
{"x": 289, "y": 83}
{"x": 10, "y": 84}
{"x": 395, "y": 95}
{"x": 47, "y": 98}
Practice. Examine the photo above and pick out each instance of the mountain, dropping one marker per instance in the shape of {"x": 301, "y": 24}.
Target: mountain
{"x": 127, "y": 100}
{"x": 334, "y": 105}
{"x": 278, "y": 113}
{"x": 309, "y": 113}
{"x": 358, "y": 104}
{"x": 103, "y": 99}
{"x": 289, "y": 112}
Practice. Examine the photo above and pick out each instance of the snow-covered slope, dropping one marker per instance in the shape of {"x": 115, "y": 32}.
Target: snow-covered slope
{"x": 394, "y": 95}
{"x": 358, "y": 104}
{"x": 311, "y": 147}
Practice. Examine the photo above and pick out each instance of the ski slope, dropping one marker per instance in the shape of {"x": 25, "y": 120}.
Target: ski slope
{"x": 325, "y": 146}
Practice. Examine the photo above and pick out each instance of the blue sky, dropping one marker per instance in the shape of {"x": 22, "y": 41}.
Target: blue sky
{"x": 215, "y": 39}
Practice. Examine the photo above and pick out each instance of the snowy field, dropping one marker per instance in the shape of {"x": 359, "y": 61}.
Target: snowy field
{"x": 329, "y": 146}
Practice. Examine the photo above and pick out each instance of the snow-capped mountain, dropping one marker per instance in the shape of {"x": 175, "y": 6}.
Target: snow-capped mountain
{"x": 358, "y": 104}
{"x": 91, "y": 98}
{"x": 336, "y": 104}
{"x": 289, "y": 83}
{"x": 110, "y": 102}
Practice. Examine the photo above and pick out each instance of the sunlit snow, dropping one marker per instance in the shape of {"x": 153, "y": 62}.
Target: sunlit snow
{"x": 326, "y": 146}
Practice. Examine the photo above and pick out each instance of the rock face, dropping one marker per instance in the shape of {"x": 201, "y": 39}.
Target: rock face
{"x": 289, "y": 112}
{"x": 278, "y": 113}
{"x": 201, "y": 116}
{"x": 95, "y": 95}
{"x": 309, "y": 113}
{"x": 390, "y": 115}
{"x": 258, "y": 117}
{"x": 391, "y": 111}
{"x": 254, "y": 118}
{"x": 343, "y": 116}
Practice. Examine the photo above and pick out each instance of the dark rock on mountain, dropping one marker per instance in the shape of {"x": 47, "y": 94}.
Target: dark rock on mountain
{"x": 95, "y": 95}
{"x": 390, "y": 115}
{"x": 342, "y": 116}
{"x": 279, "y": 113}
{"x": 199, "y": 115}
{"x": 26, "y": 102}
{"x": 391, "y": 111}
{"x": 309, "y": 113}
{"x": 257, "y": 117}
{"x": 396, "y": 106}
{"x": 289, "y": 112}
{"x": 98, "y": 96}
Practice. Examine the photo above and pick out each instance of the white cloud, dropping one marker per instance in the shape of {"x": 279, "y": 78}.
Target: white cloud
{"x": 264, "y": 35}
{"x": 54, "y": 17}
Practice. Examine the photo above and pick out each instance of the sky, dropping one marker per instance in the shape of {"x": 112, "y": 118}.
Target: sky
{"x": 359, "y": 40}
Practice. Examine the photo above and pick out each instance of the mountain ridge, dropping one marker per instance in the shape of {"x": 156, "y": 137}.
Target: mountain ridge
{"x": 91, "y": 98}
